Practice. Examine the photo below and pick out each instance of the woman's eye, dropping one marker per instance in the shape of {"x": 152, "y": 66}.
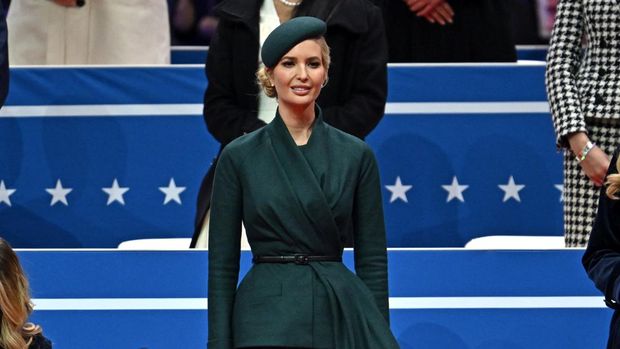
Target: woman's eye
{"x": 288, "y": 64}
{"x": 314, "y": 64}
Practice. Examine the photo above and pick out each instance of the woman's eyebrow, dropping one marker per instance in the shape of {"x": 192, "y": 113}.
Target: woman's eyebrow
{"x": 295, "y": 58}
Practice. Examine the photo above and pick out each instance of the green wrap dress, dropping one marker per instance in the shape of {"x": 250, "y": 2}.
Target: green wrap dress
{"x": 298, "y": 200}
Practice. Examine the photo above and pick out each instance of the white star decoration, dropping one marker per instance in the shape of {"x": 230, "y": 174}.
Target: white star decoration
{"x": 560, "y": 187}
{"x": 5, "y": 194}
{"x": 59, "y": 194}
{"x": 172, "y": 192}
{"x": 398, "y": 190}
{"x": 455, "y": 191}
{"x": 511, "y": 190}
{"x": 115, "y": 193}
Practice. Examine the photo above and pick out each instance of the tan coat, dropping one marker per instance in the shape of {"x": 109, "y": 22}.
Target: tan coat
{"x": 101, "y": 32}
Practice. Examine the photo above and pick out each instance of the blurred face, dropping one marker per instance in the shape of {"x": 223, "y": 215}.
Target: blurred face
{"x": 299, "y": 74}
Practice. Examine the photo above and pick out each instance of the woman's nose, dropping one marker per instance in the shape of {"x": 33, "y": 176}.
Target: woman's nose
{"x": 302, "y": 74}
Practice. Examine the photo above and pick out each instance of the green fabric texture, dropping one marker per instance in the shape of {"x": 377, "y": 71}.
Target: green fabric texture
{"x": 289, "y": 34}
{"x": 298, "y": 200}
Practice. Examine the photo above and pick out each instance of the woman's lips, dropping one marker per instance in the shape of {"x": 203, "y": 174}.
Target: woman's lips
{"x": 301, "y": 90}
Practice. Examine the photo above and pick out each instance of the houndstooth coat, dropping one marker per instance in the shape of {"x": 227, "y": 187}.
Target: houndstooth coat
{"x": 584, "y": 94}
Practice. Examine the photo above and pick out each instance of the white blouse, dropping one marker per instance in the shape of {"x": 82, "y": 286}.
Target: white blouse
{"x": 269, "y": 20}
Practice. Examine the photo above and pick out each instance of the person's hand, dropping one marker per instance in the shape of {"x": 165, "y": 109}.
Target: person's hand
{"x": 435, "y": 11}
{"x": 207, "y": 26}
{"x": 442, "y": 14}
{"x": 423, "y": 7}
{"x": 66, "y": 3}
{"x": 595, "y": 166}
{"x": 184, "y": 16}
{"x": 596, "y": 163}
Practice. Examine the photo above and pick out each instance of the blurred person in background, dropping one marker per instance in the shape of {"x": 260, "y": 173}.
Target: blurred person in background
{"x": 546, "y": 17}
{"x": 448, "y": 31}
{"x": 192, "y": 22}
{"x": 525, "y": 22}
{"x": 44, "y": 32}
{"x": 4, "y": 59}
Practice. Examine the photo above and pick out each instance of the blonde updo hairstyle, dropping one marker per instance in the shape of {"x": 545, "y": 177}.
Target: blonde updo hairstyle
{"x": 613, "y": 183}
{"x": 263, "y": 74}
{"x": 15, "y": 305}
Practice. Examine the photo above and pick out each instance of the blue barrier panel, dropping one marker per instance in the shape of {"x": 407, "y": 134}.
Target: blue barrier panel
{"x": 532, "y": 53}
{"x": 482, "y": 125}
{"x": 464, "y": 151}
{"x": 442, "y": 299}
{"x": 189, "y": 54}
{"x": 198, "y": 54}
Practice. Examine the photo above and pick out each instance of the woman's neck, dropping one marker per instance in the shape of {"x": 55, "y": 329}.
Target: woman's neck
{"x": 298, "y": 122}
{"x": 284, "y": 12}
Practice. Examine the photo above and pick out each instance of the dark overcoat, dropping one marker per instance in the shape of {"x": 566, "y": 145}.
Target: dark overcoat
{"x": 602, "y": 256}
{"x": 353, "y": 100}
{"x": 298, "y": 200}
{"x": 481, "y": 32}
{"x": 4, "y": 59}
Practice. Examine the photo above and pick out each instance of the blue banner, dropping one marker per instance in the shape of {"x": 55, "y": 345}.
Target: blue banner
{"x": 90, "y": 157}
{"x": 443, "y": 299}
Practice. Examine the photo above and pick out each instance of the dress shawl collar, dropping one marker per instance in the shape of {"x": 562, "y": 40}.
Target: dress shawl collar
{"x": 304, "y": 185}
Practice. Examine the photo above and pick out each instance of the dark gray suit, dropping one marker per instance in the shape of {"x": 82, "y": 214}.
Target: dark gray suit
{"x": 4, "y": 59}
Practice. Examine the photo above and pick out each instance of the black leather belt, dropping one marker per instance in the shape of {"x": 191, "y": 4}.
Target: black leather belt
{"x": 614, "y": 122}
{"x": 297, "y": 259}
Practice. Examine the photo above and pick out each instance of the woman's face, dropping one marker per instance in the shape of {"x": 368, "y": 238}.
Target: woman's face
{"x": 299, "y": 74}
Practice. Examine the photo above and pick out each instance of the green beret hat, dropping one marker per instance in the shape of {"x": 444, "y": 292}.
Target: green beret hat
{"x": 289, "y": 34}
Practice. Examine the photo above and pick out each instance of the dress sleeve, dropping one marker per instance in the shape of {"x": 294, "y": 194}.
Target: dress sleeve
{"x": 226, "y": 119}
{"x": 602, "y": 257}
{"x": 369, "y": 236}
{"x": 362, "y": 111}
{"x": 224, "y": 251}
{"x": 563, "y": 62}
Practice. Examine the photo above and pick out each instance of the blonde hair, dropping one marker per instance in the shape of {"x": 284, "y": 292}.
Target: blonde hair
{"x": 15, "y": 305}
{"x": 613, "y": 183}
{"x": 263, "y": 73}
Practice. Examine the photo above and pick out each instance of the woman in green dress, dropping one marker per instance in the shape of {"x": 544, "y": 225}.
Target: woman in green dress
{"x": 300, "y": 187}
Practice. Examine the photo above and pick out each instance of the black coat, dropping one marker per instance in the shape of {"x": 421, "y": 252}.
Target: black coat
{"x": 481, "y": 32}
{"x": 353, "y": 100}
{"x": 4, "y": 59}
{"x": 602, "y": 256}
